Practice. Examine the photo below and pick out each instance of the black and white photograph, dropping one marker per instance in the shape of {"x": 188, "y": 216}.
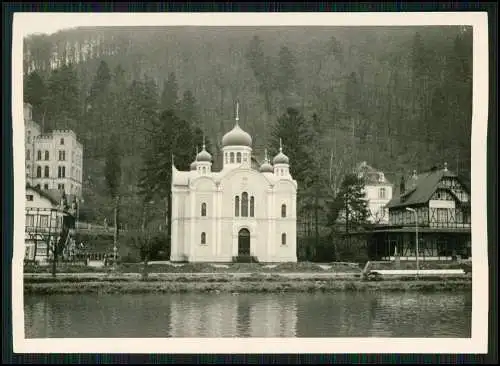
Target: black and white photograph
{"x": 252, "y": 182}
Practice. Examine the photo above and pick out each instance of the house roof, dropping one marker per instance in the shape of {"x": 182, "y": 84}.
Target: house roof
{"x": 43, "y": 193}
{"x": 371, "y": 175}
{"x": 420, "y": 190}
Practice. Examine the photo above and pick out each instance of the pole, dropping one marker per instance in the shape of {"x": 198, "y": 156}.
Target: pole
{"x": 416, "y": 239}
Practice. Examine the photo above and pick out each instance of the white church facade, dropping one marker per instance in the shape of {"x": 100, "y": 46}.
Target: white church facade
{"x": 236, "y": 213}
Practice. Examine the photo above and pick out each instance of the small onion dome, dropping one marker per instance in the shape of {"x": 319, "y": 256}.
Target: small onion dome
{"x": 204, "y": 156}
{"x": 280, "y": 158}
{"x": 193, "y": 165}
{"x": 237, "y": 137}
{"x": 266, "y": 167}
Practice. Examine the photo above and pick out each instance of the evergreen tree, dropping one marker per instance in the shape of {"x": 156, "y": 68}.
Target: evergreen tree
{"x": 113, "y": 175}
{"x": 350, "y": 202}
{"x": 187, "y": 109}
{"x": 262, "y": 69}
{"x": 63, "y": 110}
{"x": 99, "y": 111}
{"x": 170, "y": 139}
{"x": 286, "y": 73}
{"x": 298, "y": 139}
{"x": 35, "y": 93}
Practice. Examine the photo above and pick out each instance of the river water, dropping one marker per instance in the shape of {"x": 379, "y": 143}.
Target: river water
{"x": 345, "y": 314}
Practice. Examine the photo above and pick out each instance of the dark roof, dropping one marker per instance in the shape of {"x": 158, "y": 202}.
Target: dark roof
{"x": 371, "y": 175}
{"x": 43, "y": 193}
{"x": 420, "y": 190}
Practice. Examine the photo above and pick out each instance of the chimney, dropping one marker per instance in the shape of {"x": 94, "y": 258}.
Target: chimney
{"x": 414, "y": 179}
{"x": 402, "y": 185}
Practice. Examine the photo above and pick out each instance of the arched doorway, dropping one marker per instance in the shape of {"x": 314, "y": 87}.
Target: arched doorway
{"x": 244, "y": 242}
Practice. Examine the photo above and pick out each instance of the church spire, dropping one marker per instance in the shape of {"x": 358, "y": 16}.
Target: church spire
{"x": 265, "y": 155}
{"x": 281, "y": 146}
{"x": 237, "y": 111}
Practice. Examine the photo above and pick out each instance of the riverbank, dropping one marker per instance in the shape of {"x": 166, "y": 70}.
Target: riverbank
{"x": 234, "y": 283}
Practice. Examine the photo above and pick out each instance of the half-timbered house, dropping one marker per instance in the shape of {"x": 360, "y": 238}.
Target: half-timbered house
{"x": 434, "y": 207}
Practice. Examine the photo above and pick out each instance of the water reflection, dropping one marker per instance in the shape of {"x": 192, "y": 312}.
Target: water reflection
{"x": 249, "y": 315}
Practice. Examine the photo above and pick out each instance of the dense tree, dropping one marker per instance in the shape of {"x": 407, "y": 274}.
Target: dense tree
{"x": 63, "y": 107}
{"x": 113, "y": 175}
{"x": 170, "y": 142}
{"x": 187, "y": 108}
{"x": 298, "y": 139}
{"x": 35, "y": 93}
{"x": 170, "y": 92}
{"x": 350, "y": 203}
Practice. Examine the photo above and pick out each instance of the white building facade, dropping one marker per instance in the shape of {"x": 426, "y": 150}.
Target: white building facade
{"x": 378, "y": 193}
{"x": 54, "y": 161}
{"x": 236, "y": 212}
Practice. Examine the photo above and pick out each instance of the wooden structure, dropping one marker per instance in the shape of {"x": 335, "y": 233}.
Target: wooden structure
{"x": 440, "y": 203}
{"x": 49, "y": 224}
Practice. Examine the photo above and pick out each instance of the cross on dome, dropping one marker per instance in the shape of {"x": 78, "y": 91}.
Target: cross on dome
{"x": 280, "y": 158}
{"x": 237, "y": 137}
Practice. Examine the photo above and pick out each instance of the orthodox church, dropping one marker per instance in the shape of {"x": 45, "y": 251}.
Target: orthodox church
{"x": 238, "y": 212}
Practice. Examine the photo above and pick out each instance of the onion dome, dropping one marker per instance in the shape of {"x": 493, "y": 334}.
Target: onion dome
{"x": 266, "y": 167}
{"x": 280, "y": 158}
{"x": 193, "y": 165}
{"x": 237, "y": 137}
{"x": 204, "y": 155}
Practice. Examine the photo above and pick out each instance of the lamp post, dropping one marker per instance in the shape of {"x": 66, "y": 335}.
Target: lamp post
{"x": 416, "y": 234}
{"x": 79, "y": 201}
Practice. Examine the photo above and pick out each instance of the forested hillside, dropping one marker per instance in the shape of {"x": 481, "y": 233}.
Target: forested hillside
{"x": 398, "y": 98}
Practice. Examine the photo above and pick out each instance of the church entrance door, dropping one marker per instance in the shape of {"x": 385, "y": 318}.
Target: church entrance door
{"x": 244, "y": 242}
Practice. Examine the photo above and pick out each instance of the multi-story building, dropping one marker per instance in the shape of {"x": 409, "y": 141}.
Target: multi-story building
{"x": 378, "y": 192}
{"x": 54, "y": 160}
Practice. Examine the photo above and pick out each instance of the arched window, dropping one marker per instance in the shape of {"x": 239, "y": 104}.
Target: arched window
{"x": 62, "y": 141}
{"x": 46, "y": 172}
{"x": 244, "y": 204}
{"x": 236, "y": 206}
{"x": 227, "y": 159}
{"x": 252, "y": 203}
{"x": 231, "y": 157}
{"x": 46, "y": 155}
{"x": 283, "y": 239}
{"x": 38, "y": 171}
{"x": 63, "y": 171}
{"x": 381, "y": 193}
{"x": 238, "y": 157}
{"x": 283, "y": 210}
{"x": 203, "y": 238}
{"x": 203, "y": 209}
{"x": 28, "y": 155}
{"x": 39, "y": 155}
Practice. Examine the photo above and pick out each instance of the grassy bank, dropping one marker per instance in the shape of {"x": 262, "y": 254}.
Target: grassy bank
{"x": 307, "y": 267}
{"x": 235, "y": 284}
